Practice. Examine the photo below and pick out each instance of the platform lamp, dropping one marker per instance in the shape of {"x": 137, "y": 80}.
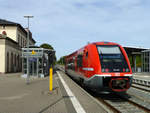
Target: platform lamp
{"x": 28, "y": 35}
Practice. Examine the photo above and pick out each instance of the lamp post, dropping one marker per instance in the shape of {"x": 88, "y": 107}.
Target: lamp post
{"x": 28, "y": 33}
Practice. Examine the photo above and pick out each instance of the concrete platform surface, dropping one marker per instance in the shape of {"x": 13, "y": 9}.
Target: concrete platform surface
{"x": 18, "y": 97}
{"x": 142, "y": 75}
{"x": 87, "y": 102}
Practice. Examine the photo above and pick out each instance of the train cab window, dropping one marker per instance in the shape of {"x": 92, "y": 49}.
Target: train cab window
{"x": 112, "y": 59}
{"x": 79, "y": 60}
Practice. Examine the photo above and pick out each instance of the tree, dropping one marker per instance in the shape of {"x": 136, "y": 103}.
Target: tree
{"x": 61, "y": 60}
{"x": 46, "y": 46}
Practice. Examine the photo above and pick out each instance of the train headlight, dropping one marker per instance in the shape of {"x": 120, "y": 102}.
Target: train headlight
{"x": 124, "y": 69}
{"x": 127, "y": 70}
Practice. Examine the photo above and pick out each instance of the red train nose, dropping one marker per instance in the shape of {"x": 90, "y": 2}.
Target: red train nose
{"x": 119, "y": 84}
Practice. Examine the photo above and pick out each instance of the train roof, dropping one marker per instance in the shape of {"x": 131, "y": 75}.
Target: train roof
{"x": 95, "y": 43}
{"x": 104, "y": 43}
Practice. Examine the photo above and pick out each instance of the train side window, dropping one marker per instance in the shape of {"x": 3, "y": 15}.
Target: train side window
{"x": 71, "y": 64}
{"x": 86, "y": 54}
{"x": 79, "y": 60}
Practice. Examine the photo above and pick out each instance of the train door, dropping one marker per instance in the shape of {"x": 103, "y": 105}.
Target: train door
{"x": 79, "y": 62}
{"x": 86, "y": 62}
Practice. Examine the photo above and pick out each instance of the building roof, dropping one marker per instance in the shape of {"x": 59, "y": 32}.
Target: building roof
{"x": 9, "y": 23}
{"x": 148, "y": 50}
{"x": 133, "y": 47}
{"x": 7, "y": 38}
{"x": 134, "y": 50}
{"x": 5, "y": 22}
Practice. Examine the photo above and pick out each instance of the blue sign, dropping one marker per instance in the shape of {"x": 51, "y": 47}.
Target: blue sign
{"x": 32, "y": 59}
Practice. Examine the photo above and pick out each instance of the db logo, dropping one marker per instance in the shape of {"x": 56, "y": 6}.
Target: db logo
{"x": 117, "y": 74}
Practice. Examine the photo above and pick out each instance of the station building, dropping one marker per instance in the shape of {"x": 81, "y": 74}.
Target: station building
{"x": 139, "y": 58}
{"x": 146, "y": 60}
{"x": 13, "y": 37}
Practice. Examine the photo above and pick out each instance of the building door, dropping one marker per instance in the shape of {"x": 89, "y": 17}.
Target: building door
{"x": 33, "y": 66}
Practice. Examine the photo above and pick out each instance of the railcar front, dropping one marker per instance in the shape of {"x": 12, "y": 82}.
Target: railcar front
{"x": 114, "y": 73}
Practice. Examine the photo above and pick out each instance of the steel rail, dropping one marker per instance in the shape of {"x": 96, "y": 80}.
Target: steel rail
{"x": 140, "y": 88}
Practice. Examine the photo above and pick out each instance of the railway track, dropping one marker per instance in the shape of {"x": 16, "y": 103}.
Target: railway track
{"x": 140, "y": 93}
{"x": 141, "y": 87}
{"x": 124, "y": 103}
{"x": 120, "y": 104}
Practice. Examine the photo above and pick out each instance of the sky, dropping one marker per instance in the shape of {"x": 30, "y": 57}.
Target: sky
{"x": 68, "y": 25}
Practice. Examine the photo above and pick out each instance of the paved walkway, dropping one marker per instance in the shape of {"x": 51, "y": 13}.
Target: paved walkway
{"x": 142, "y": 76}
{"x": 18, "y": 97}
{"x": 67, "y": 97}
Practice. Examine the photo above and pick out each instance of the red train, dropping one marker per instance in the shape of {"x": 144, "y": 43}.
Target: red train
{"x": 101, "y": 66}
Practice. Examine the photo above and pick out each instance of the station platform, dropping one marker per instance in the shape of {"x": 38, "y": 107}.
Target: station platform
{"x": 18, "y": 97}
{"x": 141, "y": 78}
{"x": 80, "y": 101}
{"x": 67, "y": 97}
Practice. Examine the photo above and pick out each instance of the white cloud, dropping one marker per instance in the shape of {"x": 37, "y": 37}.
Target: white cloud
{"x": 69, "y": 24}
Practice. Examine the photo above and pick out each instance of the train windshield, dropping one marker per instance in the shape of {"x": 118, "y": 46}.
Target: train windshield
{"x": 112, "y": 59}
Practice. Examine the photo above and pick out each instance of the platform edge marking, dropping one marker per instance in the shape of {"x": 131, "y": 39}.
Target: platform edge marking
{"x": 74, "y": 100}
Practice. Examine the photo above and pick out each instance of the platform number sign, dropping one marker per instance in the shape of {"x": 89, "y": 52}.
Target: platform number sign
{"x": 33, "y": 52}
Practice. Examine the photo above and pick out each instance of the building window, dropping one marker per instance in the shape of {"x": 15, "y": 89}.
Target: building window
{"x": 8, "y": 62}
{"x": 17, "y": 63}
{"x": 18, "y": 39}
{"x": 15, "y": 60}
{"x": 21, "y": 42}
{"x": 146, "y": 61}
{"x": 25, "y": 42}
{"x": 12, "y": 62}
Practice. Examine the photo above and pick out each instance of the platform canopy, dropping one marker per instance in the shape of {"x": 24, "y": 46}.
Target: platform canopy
{"x": 134, "y": 50}
{"x": 135, "y": 55}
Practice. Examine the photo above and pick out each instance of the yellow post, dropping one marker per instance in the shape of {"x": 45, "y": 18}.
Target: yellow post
{"x": 51, "y": 79}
